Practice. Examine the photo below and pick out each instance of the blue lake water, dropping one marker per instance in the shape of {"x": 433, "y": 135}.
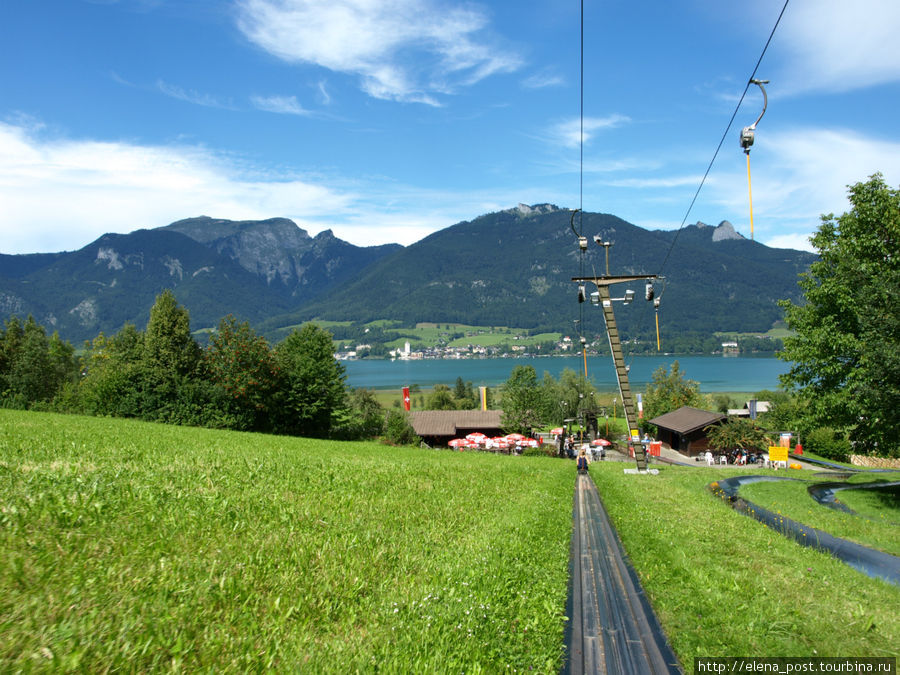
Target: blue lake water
{"x": 714, "y": 373}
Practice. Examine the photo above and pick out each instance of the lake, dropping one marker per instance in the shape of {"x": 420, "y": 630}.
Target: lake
{"x": 714, "y": 373}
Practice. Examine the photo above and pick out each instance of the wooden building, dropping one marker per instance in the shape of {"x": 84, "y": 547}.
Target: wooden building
{"x": 438, "y": 427}
{"x": 684, "y": 429}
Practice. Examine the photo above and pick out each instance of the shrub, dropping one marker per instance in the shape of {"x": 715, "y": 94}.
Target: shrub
{"x": 829, "y": 443}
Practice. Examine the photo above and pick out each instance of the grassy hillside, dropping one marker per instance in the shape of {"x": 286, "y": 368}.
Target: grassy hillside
{"x": 129, "y": 546}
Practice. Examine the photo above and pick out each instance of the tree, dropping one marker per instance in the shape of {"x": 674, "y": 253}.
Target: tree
{"x": 32, "y": 368}
{"x": 398, "y": 430}
{"x": 169, "y": 347}
{"x": 669, "y": 391}
{"x": 521, "y": 401}
{"x": 441, "y": 398}
{"x": 243, "y": 365}
{"x": 170, "y": 359}
{"x": 845, "y": 350}
{"x": 312, "y": 393}
{"x": 114, "y": 374}
{"x": 737, "y": 432}
{"x": 363, "y": 417}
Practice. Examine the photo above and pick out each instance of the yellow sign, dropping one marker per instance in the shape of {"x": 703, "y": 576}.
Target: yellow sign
{"x": 635, "y": 435}
{"x": 778, "y": 454}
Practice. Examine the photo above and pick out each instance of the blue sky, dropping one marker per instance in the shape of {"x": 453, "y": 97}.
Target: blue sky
{"x": 386, "y": 120}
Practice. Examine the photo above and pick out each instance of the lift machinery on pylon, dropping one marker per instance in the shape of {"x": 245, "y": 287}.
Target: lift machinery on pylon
{"x": 604, "y": 299}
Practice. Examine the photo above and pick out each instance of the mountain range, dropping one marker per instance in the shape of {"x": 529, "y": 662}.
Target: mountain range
{"x": 509, "y": 268}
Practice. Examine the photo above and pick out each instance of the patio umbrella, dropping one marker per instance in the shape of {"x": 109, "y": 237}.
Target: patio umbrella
{"x": 458, "y": 443}
{"x": 515, "y": 437}
{"x": 477, "y": 437}
{"x": 556, "y": 431}
{"x": 600, "y": 441}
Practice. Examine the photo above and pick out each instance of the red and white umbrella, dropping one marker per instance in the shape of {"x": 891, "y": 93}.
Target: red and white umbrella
{"x": 459, "y": 443}
{"x": 600, "y": 441}
{"x": 515, "y": 437}
{"x": 500, "y": 442}
{"x": 477, "y": 437}
{"x": 531, "y": 442}
{"x": 556, "y": 431}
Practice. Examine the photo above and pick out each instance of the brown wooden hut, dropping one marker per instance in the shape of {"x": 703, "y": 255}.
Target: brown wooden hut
{"x": 438, "y": 427}
{"x": 684, "y": 429}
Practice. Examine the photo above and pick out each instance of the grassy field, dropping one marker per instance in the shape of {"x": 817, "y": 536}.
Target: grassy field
{"x": 877, "y": 530}
{"x": 723, "y": 584}
{"x": 136, "y": 547}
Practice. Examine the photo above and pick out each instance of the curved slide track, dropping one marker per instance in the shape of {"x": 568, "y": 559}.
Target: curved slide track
{"x": 867, "y": 560}
{"x": 612, "y": 627}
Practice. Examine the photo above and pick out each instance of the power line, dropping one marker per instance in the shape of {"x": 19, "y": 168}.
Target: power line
{"x": 724, "y": 136}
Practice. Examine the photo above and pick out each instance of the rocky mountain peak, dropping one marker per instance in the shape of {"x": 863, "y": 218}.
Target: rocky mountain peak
{"x": 725, "y": 231}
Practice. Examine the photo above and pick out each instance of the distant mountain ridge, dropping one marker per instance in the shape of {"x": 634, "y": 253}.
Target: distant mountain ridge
{"x": 252, "y": 269}
{"x": 512, "y": 267}
{"x": 515, "y": 267}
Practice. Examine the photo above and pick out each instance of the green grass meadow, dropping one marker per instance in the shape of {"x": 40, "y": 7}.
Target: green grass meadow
{"x": 133, "y": 547}
{"x": 879, "y": 528}
{"x": 137, "y": 547}
{"x": 725, "y": 585}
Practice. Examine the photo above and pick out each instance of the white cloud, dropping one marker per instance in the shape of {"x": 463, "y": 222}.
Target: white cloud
{"x": 285, "y": 105}
{"x": 62, "y": 194}
{"x": 569, "y": 132}
{"x": 797, "y": 175}
{"x": 836, "y": 46}
{"x": 404, "y": 50}
{"x": 188, "y": 96}
{"x": 799, "y": 241}
{"x": 543, "y": 79}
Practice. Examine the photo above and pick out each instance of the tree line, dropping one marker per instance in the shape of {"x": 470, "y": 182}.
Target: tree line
{"x": 162, "y": 374}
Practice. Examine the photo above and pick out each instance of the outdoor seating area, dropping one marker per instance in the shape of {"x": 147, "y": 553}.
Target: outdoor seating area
{"x": 509, "y": 444}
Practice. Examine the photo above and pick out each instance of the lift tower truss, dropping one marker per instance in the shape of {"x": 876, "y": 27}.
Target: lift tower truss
{"x": 615, "y": 345}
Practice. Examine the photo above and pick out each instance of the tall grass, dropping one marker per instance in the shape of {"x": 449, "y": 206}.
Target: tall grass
{"x": 141, "y": 547}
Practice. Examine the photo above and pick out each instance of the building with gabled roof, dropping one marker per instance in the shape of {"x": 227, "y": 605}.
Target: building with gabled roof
{"x": 684, "y": 429}
{"x": 438, "y": 427}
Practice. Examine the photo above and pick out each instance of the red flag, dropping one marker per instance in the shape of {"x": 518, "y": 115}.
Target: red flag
{"x": 406, "y": 398}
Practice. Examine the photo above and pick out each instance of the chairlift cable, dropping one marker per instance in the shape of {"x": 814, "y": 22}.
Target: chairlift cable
{"x": 724, "y": 136}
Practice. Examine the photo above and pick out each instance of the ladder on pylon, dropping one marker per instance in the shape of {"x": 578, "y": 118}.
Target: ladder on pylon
{"x": 615, "y": 346}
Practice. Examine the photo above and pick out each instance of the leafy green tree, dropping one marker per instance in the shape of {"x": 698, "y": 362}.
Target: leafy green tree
{"x": 441, "y": 398}
{"x": 669, "y": 390}
{"x": 845, "y": 349}
{"x": 522, "y": 401}
{"x": 243, "y": 365}
{"x": 722, "y": 402}
{"x": 33, "y": 368}
{"x": 114, "y": 374}
{"x": 398, "y": 430}
{"x": 169, "y": 347}
{"x": 737, "y": 432}
{"x": 312, "y": 392}
{"x": 363, "y": 417}
{"x": 171, "y": 391}
{"x": 465, "y": 396}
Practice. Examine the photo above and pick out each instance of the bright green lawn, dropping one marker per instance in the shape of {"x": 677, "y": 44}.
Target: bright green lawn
{"x": 137, "y": 547}
{"x": 143, "y": 547}
{"x": 790, "y": 498}
{"x": 725, "y": 585}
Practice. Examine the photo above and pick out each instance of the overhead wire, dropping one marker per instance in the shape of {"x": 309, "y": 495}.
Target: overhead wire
{"x": 709, "y": 167}
{"x": 724, "y": 136}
